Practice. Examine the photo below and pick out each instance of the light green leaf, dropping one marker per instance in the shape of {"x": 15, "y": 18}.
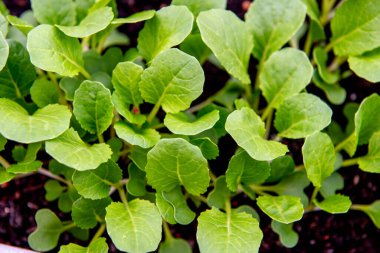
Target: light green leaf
{"x": 136, "y": 181}
{"x": 70, "y": 150}
{"x": 359, "y": 35}
{"x": 25, "y": 167}
{"x": 69, "y": 86}
{"x": 302, "y": 115}
{"x": 53, "y": 190}
{"x": 335, "y": 204}
{"x": 174, "y": 245}
{"x": 94, "y": 22}
{"x": 366, "y": 65}
{"x": 66, "y": 200}
{"x": 371, "y": 161}
{"x": 98, "y": 246}
{"x": 220, "y": 30}
{"x": 44, "y": 92}
{"x": 372, "y": 210}
{"x": 135, "y": 18}
{"x": 365, "y": 122}
{"x": 248, "y": 130}
{"x": 242, "y": 168}
{"x": 61, "y": 12}
{"x": 228, "y": 232}
{"x": 220, "y": 194}
{"x": 49, "y": 228}
{"x": 20, "y": 24}
{"x": 139, "y": 157}
{"x": 331, "y": 184}
{"x": 86, "y": 212}
{"x": 169, "y": 27}
{"x": 5, "y": 176}
{"x": 285, "y": 74}
{"x": 4, "y": 51}
{"x": 173, "y": 80}
{"x": 180, "y": 123}
{"x": 174, "y": 162}
{"x": 321, "y": 57}
{"x": 312, "y": 11}
{"x": 280, "y": 167}
{"x": 17, "y": 76}
{"x": 285, "y": 209}
{"x": 46, "y": 123}
{"x": 93, "y": 107}
{"x": 3, "y": 141}
{"x": 194, "y": 46}
{"x": 209, "y": 149}
{"x": 182, "y": 213}
{"x": 96, "y": 184}
{"x": 3, "y": 25}
{"x": 144, "y": 138}
{"x": 197, "y": 6}
{"x": 319, "y": 157}
{"x": 288, "y": 237}
{"x": 58, "y": 53}
{"x": 124, "y": 109}
{"x": 273, "y": 23}
{"x": 135, "y": 227}
{"x": 334, "y": 92}
{"x": 165, "y": 208}
{"x": 125, "y": 79}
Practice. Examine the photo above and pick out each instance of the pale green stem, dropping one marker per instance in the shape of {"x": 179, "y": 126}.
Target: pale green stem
{"x": 61, "y": 95}
{"x": 47, "y": 173}
{"x": 68, "y": 227}
{"x": 4, "y": 162}
{"x": 99, "y": 233}
{"x": 167, "y": 232}
{"x": 123, "y": 196}
{"x": 153, "y": 112}
{"x": 341, "y": 145}
{"x": 350, "y": 162}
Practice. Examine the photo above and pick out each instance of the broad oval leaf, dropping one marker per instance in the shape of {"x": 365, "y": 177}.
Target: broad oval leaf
{"x": 220, "y": 30}
{"x": 174, "y": 162}
{"x": 135, "y": 227}
{"x": 319, "y": 157}
{"x": 228, "y": 232}
{"x": 70, "y": 150}
{"x": 371, "y": 161}
{"x": 174, "y": 80}
{"x": 273, "y": 23}
{"x": 46, "y": 123}
{"x": 180, "y": 123}
{"x": 302, "y": 115}
{"x": 366, "y": 65}
{"x": 365, "y": 122}
{"x": 4, "y": 51}
{"x": 335, "y": 204}
{"x": 94, "y": 22}
{"x": 97, "y": 246}
{"x": 169, "y": 27}
{"x": 286, "y": 73}
{"x": 144, "y": 138}
{"x": 248, "y": 130}
{"x": 58, "y": 53}
{"x": 358, "y": 35}
{"x": 285, "y": 209}
{"x": 61, "y": 12}
{"x": 93, "y": 107}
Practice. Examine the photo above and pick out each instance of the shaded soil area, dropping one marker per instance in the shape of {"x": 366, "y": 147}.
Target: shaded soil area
{"x": 319, "y": 232}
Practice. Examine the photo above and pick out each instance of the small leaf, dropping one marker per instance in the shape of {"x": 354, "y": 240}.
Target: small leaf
{"x": 334, "y": 92}
{"x": 60, "y": 169}
{"x": 135, "y": 227}
{"x": 288, "y": 237}
{"x": 4, "y": 51}
{"x": 123, "y": 109}
{"x": 93, "y": 107}
{"x": 180, "y": 123}
{"x": 331, "y": 184}
{"x": 144, "y": 138}
{"x": 135, "y": 18}
{"x": 86, "y": 212}
{"x": 220, "y": 29}
{"x": 366, "y": 65}
{"x": 53, "y": 190}
{"x": 3, "y": 141}
{"x": 371, "y": 161}
{"x": 25, "y": 167}
{"x": 321, "y": 57}
{"x": 94, "y": 22}
{"x": 20, "y": 24}
{"x": 232, "y": 232}
{"x": 334, "y": 204}
{"x": 66, "y": 200}
{"x": 98, "y": 246}
{"x": 174, "y": 245}
{"x": 5, "y": 176}
{"x": 197, "y": 6}
{"x": 61, "y": 12}
{"x": 302, "y": 115}
{"x": 174, "y": 80}
{"x": 280, "y": 167}
{"x": 209, "y": 149}
{"x": 365, "y": 124}
{"x": 96, "y": 184}
{"x": 70, "y": 150}
{"x": 174, "y": 162}
{"x": 294, "y": 185}
{"x": 218, "y": 196}
{"x": 136, "y": 181}
{"x": 139, "y": 157}
{"x": 165, "y": 208}
{"x": 319, "y": 157}
{"x": 312, "y": 10}
{"x": 169, "y": 27}
{"x": 69, "y": 86}
{"x": 372, "y": 210}
{"x": 46, "y": 123}
{"x": 285, "y": 209}
{"x": 194, "y": 46}
{"x": 44, "y": 93}
{"x": 182, "y": 213}
{"x": 248, "y": 130}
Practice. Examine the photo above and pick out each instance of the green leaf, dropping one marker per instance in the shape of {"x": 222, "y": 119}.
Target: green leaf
{"x": 371, "y": 161}
{"x": 169, "y": 27}
{"x": 248, "y": 130}
{"x": 181, "y": 212}
{"x": 319, "y": 157}
{"x": 93, "y": 107}
{"x": 125, "y": 79}
{"x": 17, "y": 76}
{"x": 180, "y": 123}
{"x": 66, "y": 200}
{"x": 273, "y": 23}
{"x": 3, "y": 141}
{"x": 302, "y": 115}
{"x": 321, "y": 57}
{"x": 44, "y": 92}
{"x": 124, "y": 109}
{"x": 5, "y": 176}
{"x": 165, "y": 208}
{"x": 242, "y": 168}
{"x": 70, "y": 150}
{"x": 135, "y": 18}
{"x": 331, "y": 184}
{"x": 334, "y": 204}
{"x": 174, "y": 162}
{"x": 86, "y": 212}
{"x": 285, "y": 74}
{"x": 334, "y": 92}
{"x": 285, "y": 209}
{"x": 69, "y": 86}
{"x": 98, "y": 246}
{"x": 58, "y": 53}
{"x": 197, "y": 6}
{"x": 194, "y": 46}
{"x": 46, "y": 123}
{"x": 3, "y": 25}
{"x": 94, "y": 22}
{"x": 53, "y": 190}
{"x": 220, "y": 29}
{"x": 209, "y": 149}
{"x": 4, "y": 51}
{"x": 372, "y": 210}
{"x": 139, "y": 157}
{"x": 220, "y": 194}
{"x": 49, "y": 228}
{"x": 228, "y": 232}
{"x": 174, "y": 245}
{"x": 359, "y": 35}
{"x": 294, "y": 185}
{"x": 173, "y": 80}
{"x": 61, "y": 12}
{"x": 288, "y": 237}
{"x": 365, "y": 123}
{"x": 312, "y": 11}
{"x": 144, "y": 138}
{"x": 20, "y": 24}
{"x": 135, "y": 227}
{"x": 366, "y": 65}
{"x": 280, "y": 167}
{"x": 96, "y": 184}
{"x": 25, "y": 167}
{"x": 136, "y": 181}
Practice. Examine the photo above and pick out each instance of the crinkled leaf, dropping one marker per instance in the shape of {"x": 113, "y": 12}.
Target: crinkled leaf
{"x": 288, "y": 237}
{"x": 219, "y": 195}
{"x": 144, "y": 138}
{"x": 371, "y": 161}
{"x": 61, "y": 12}
{"x": 44, "y": 92}
{"x": 86, "y": 212}
{"x": 136, "y": 181}
{"x": 334, "y": 204}
{"x": 182, "y": 213}
{"x": 174, "y": 245}
{"x": 209, "y": 149}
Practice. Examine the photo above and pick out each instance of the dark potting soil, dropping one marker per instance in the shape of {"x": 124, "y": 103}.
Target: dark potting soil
{"x": 319, "y": 232}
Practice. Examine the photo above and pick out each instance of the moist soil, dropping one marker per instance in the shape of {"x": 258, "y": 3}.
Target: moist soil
{"x": 318, "y": 232}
